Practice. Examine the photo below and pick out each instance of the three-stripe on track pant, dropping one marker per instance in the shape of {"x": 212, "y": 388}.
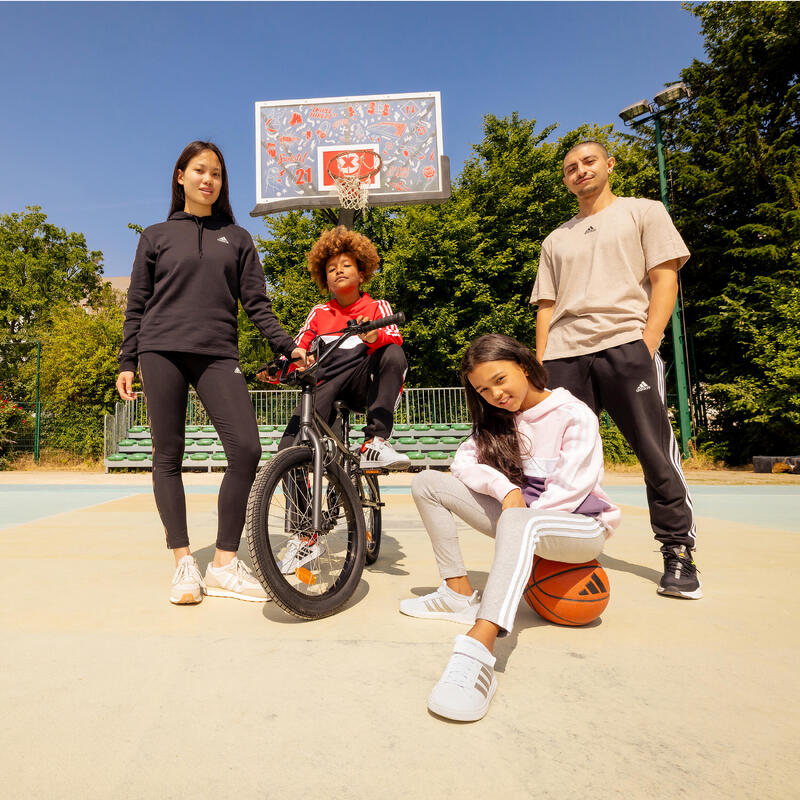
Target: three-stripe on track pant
{"x": 630, "y": 385}
{"x": 518, "y": 532}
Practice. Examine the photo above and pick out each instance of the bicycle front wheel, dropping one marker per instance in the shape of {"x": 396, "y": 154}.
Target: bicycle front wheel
{"x": 309, "y": 575}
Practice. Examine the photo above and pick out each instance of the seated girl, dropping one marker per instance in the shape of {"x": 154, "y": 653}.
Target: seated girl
{"x": 529, "y": 476}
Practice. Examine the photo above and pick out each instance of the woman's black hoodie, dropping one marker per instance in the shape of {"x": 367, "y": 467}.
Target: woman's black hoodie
{"x": 188, "y": 276}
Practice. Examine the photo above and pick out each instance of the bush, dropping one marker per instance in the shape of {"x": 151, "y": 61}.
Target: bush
{"x": 13, "y": 421}
{"x": 615, "y": 449}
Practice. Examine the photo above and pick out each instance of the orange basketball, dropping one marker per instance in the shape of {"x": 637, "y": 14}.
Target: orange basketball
{"x": 568, "y": 594}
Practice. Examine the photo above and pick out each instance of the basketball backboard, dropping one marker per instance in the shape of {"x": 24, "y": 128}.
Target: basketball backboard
{"x": 297, "y": 139}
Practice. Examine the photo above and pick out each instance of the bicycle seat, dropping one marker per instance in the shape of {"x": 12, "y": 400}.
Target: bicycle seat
{"x": 341, "y": 408}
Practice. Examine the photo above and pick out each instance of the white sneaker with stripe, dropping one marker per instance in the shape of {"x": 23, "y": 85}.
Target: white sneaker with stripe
{"x": 467, "y": 685}
{"x": 234, "y": 580}
{"x": 444, "y": 603}
{"x": 378, "y": 453}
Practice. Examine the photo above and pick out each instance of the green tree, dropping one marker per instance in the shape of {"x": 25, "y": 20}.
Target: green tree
{"x": 737, "y": 192}
{"x": 79, "y": 371}
{"x": 42, "y": 267}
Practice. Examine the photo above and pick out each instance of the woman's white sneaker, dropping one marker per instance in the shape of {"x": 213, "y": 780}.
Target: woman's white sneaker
{"x": 234, "y": 580}
{"x": 444, "y": 603}
{"x": 187, "y": 583}
{"x": 467, "y": 685}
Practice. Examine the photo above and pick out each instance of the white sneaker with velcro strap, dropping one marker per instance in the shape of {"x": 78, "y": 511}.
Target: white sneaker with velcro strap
{"x": 467, "y": 685}
{"x": 379, "y": 454}
{"x": 444, "y": 603}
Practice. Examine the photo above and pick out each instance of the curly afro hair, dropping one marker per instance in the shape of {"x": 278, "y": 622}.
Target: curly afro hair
{"x": 341, "y": 240}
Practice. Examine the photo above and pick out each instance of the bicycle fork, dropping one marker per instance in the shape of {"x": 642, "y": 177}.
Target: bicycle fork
{"x": 307, "y": 433}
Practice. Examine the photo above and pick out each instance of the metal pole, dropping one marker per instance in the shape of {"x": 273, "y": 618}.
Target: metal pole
{"x": 684, "y": 418}
{"x": 38, "y": 406}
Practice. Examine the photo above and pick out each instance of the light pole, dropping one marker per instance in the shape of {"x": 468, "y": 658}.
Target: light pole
{"x": 634, "y": 115}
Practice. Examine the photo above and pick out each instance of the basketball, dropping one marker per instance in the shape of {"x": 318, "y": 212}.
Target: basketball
{"x": 567, "y": 594}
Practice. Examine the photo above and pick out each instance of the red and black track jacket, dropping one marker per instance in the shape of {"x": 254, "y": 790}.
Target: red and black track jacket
{"x": 323, "y": 320}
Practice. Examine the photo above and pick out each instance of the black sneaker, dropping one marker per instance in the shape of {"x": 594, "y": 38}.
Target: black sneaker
{"x": 680, "y": 573}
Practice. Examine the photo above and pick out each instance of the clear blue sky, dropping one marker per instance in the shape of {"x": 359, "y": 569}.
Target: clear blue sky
{"x": 99, "y": 98}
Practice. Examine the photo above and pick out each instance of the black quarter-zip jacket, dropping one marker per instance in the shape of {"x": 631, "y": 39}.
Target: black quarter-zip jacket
{"x": 188, "y": 276}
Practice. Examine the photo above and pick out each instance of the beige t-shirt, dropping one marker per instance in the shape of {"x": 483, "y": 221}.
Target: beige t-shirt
{"x": 596, "y": 268}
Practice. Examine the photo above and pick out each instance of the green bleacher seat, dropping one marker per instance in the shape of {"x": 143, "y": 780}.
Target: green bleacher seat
{"x": 117, "y": 457}
{"x": 461, "y": 426}
{"x": 427, "y": 443}
{"x": 145, "y": 443}
{"x": 198, "y": 457}
{"x": 437, "y": 455}
{"x": 440, "y": 426}
{"x": 127, "y": 443}
{"x": 420, "y": 428}
{"x": 139, "y": 457}
{"x": 204, "y": 442}
{"x": 192, "y": 429}
{"x": 208, "y": 429}
{"x": 219, "y": 457}
{"x": 266, "y": 428}
{"x": 415, "y": 455}
{"x": 265, "y": 456}
{"x": 402, "y": 428}
{"x": 139, "y": 429}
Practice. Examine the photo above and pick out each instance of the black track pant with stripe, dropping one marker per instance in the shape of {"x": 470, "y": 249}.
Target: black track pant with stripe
{"x": 375, "y": 384}
{"x": 629, "y": 384}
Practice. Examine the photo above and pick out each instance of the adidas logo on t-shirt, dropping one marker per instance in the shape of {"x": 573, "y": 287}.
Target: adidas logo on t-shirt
{"x": 642, "y": 387}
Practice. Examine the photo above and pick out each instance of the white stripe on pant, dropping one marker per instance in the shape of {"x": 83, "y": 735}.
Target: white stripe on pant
{"x": 519, "y": 533}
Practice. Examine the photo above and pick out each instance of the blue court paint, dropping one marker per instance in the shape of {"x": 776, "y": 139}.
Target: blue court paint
{"x": 764, "y": 506}
{"x": 20, "y": 504}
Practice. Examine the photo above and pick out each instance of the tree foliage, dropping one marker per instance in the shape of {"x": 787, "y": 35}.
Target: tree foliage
{"x": 41, "y": 266}
{"x": 738, "y": 204}
{"x": 78, "y": 372}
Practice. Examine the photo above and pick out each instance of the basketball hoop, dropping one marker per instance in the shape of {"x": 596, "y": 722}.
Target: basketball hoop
{"x": 353, "y": 185}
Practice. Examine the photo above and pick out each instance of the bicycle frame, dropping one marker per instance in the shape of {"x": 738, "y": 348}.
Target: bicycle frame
{"x": 311, "y": 423}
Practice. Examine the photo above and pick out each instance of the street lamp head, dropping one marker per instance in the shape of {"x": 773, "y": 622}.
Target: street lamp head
{"x": 672, "y": 94}
{"x": 631, "y": 112}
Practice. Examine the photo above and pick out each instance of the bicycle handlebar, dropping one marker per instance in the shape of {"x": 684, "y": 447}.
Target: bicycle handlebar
{"x": 353, "y": 329}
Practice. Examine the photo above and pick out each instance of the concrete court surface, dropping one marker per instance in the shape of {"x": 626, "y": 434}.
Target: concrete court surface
{"x": 109, "y": 691}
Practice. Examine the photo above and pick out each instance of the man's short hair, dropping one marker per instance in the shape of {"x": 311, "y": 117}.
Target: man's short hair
{"x": 587, "y": 141}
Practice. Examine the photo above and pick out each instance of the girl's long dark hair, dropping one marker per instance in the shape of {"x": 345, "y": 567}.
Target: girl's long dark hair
{"x": 222, "y": 207}
{"x": 493, "y": 428}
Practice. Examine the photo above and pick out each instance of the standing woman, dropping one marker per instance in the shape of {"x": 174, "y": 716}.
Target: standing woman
{"x": 188, "y": 277}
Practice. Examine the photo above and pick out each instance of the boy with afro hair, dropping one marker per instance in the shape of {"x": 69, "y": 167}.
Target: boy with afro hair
{"x": 368, "y": 370}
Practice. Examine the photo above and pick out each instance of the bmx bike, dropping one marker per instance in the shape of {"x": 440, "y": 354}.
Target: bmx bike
{"x": 315, "y": 499}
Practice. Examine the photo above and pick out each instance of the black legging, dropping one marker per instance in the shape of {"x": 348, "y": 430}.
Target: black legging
{"x": 222, "y": 389}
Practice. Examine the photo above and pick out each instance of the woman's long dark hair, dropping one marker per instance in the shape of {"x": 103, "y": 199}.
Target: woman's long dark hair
{"x": 493, "y": 428}
{"x": 222, "y": 207}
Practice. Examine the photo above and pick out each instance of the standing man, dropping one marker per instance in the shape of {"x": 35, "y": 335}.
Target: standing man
{"x": 606, "y": 287}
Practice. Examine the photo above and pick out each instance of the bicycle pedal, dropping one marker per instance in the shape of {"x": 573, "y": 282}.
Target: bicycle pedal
{"x": 377, "y": 471}
{"x": 304, "y": 575}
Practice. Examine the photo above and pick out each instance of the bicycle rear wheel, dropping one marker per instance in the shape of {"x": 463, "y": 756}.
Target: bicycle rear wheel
{"x": 370, "y": 503}
{"x": 279, "y": 519}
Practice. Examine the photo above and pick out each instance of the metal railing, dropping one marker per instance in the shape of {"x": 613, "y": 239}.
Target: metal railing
{"x": 275, "y": 407}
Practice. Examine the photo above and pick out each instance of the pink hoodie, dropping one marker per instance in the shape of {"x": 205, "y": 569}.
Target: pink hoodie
{"x": 562, "y": 457}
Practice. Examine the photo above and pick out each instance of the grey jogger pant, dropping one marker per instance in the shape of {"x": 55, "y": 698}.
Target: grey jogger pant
{"x": 518, "y": 532}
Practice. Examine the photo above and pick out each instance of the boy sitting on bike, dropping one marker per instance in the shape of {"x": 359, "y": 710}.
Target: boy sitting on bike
{"x": 369, "y": 369}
